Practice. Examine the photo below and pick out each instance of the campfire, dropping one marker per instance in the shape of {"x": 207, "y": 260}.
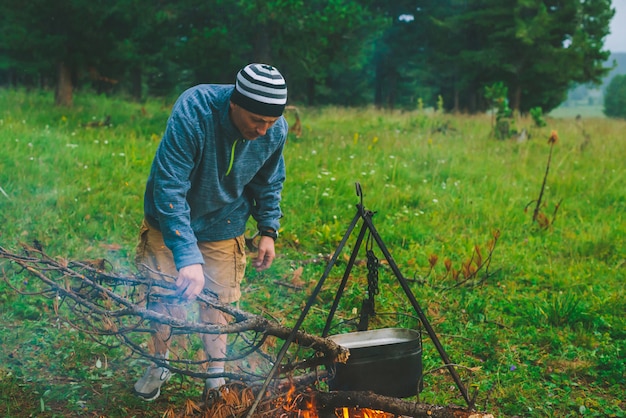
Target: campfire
{"x": 235, "y": 401}
{"x": 368, "y": 373}
{"x": 307, "y": 408}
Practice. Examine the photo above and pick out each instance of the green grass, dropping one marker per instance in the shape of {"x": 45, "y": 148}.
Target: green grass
{"x": 544, "y": 334}
{"x": 583, "y": 110}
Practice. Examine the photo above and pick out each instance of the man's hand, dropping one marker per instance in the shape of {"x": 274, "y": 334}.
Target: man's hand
{"x": 266, "y": 254}
{"x": 190, "y": 281}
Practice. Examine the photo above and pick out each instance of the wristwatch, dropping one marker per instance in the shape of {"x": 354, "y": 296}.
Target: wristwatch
{"x": 269, "y": 233}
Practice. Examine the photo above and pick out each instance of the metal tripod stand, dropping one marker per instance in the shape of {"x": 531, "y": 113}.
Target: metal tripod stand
{"x": 367, "y": 226}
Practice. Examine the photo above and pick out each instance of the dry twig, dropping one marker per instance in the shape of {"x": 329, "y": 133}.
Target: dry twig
{"x": 104, "y": 304}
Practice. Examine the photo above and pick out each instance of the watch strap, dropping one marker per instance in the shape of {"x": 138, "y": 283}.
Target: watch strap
{"x": 269, "y": 233}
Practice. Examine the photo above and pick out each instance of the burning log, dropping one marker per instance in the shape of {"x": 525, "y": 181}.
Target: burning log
{"x": 288, "y": 403}
{"x": 351, "y": 402}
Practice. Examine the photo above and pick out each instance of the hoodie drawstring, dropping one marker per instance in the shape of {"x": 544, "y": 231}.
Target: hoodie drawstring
{"x": 232, "y": 157}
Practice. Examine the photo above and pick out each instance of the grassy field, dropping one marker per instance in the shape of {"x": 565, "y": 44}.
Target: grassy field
{"x": 539, "y": 333}
{"x": 585, "y": 111}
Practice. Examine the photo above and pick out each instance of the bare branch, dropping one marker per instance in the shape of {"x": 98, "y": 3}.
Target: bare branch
{"x": 103, "y": 304}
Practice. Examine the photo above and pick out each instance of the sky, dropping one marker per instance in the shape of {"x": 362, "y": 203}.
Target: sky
{"x": 616, "y": 41}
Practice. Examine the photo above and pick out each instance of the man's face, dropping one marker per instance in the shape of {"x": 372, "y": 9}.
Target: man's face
{"x": 250, "y": 125}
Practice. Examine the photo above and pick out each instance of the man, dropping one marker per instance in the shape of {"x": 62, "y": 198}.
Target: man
{"x": 219, "y": 162}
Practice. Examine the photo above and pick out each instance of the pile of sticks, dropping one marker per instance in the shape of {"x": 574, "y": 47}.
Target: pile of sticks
{"x": 102, "y": 304}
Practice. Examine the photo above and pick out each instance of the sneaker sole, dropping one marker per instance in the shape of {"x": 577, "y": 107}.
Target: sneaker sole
{"x": 148, "y": 397}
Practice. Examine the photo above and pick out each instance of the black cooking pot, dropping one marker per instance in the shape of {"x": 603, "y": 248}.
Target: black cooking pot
{"x": 385, "y": 361}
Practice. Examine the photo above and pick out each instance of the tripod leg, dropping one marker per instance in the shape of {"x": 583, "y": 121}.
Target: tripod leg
{"x": 418, "y": 310}
{"x": 300, "y": 320}
{"x": 344, "y": 280}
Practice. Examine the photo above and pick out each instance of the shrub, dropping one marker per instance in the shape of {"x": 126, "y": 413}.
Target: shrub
{"x": 615, "y": 97}
{"x": 497, "y": 96}
{"x": 537, "y": 114}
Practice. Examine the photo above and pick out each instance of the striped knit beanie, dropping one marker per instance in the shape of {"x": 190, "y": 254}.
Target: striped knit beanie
{"x": 260, "y": 89}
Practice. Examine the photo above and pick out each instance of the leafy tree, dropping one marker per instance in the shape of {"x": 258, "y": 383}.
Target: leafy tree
{"x": 12, "y": 58}
{"x": 311, "y": 42}
{"x": 557, "y": 44}
{"x": 537, "y": 47}
{"x": 400, "y": 79}
{"x": 458, "y": 56}
{"x": 615, "y": 97}
{"x": 397, "y": 53}
{"x": 143, "y": 41}
{"x": 213, "y": 38}
{"x": 66, "y": 35}
{"x": 323, "y": 46}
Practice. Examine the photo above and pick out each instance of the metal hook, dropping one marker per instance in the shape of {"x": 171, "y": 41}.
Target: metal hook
{"x": 359, "y": 193}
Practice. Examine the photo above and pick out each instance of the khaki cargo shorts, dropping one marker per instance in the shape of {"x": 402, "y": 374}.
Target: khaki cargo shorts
{"x": 224, "y": 262}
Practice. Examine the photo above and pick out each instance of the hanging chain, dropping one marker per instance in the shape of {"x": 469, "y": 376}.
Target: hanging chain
{"x": 368, "y": 308}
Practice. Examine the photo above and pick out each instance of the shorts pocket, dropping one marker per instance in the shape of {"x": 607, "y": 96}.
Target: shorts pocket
{"x": 140, "y": 250}
{"x": 240, "y": 259}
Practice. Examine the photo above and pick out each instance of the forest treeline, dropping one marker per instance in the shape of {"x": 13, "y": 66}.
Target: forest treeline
{"x": 391, "y": 53}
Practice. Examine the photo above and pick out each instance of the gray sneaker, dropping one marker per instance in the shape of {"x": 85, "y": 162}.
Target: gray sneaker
{"x": 214, "y": 383}
{"x": 149, "y": 386}
{"x": 211, "y": 389}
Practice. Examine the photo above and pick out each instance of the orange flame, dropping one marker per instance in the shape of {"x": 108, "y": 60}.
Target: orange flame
{"x": 303, "y": 406}
{"x": 361, "y": 413}
{"x": 346, "y": 413}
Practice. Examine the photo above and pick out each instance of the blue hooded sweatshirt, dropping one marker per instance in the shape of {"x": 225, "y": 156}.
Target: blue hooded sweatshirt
{"x": 206, "y": 180}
